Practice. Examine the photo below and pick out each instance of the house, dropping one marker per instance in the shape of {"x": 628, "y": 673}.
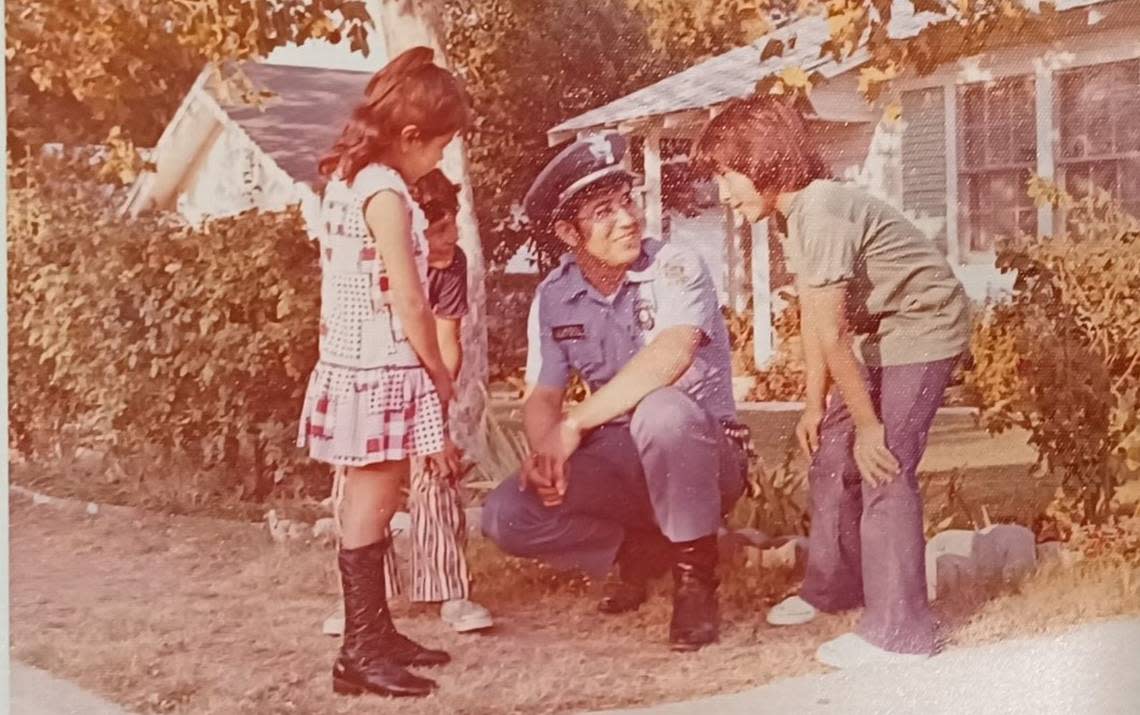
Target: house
{"x": 220, "y": 155}
{"x": 971, "y": 134}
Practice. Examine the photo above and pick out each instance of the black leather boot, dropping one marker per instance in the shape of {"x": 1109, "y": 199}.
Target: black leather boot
{"x": 402, "y": 649}
{"x": 643, "y": 555}
{"x": 363, "y": 665}
{"x": 696, "y": 614}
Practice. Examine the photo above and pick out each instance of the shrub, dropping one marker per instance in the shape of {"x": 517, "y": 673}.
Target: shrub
{"x": 783, "y": 379}
{"x": 774, "y": 500}
{"x": 508, "y": 304}
{"x": 149, "y": 335}
{"x": 1061, "y": 358}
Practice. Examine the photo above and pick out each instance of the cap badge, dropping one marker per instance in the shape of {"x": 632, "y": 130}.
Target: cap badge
{"x": 601, "y": 149}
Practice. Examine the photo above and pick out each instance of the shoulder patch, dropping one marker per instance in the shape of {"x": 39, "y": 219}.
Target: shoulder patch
{"x": 675, "y": 272}
{"x": 679, "y": 266}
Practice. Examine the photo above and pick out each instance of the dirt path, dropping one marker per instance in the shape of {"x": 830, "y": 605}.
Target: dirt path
{"x": 189, "y": 615}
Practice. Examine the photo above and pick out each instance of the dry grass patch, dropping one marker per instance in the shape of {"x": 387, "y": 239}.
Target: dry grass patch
{"x": 191, "y": 615}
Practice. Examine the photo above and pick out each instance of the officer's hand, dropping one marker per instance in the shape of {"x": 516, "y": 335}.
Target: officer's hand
{"x": 536, "y": 474}
{"x": 550, "y": 456}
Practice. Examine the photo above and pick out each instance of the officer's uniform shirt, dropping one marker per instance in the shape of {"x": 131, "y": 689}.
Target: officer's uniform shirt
{"x": 574, "y": 328}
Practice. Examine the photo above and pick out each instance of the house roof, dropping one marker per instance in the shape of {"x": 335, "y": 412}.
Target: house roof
{"x": 718, "y": 79}
{"x": 735, "y": 73}
{"x": 304, "y": 117}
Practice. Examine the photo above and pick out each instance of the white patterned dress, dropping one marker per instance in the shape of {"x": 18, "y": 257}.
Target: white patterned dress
{"x": 369, "y": 399}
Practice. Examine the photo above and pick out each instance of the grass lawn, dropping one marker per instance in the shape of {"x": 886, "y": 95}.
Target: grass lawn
{"x": 192, "y": 615}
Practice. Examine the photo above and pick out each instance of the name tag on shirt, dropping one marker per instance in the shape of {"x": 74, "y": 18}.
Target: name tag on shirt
{"x": 569, "y": 332}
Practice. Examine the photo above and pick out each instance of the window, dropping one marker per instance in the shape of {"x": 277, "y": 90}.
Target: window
{"x": 1098, "y": 113}
{"x": 997, "y": 154}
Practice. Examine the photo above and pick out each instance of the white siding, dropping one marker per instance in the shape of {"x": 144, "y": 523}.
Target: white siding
{"x": 236, "y": 176}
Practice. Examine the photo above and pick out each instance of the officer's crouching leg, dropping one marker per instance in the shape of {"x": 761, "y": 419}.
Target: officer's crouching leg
{"x": 506, "y": 517}
{"x": 519, "y": 524}
{"x": 681, "y": 452}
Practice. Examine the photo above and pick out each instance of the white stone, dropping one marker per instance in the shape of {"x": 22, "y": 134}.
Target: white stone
{"x": 325, "y": 528}
{"x": 754, "y": 537}
{"x": 959, "y": 560}
{"x": 297, "y": 530}
{"x": 40, "y": 499}
{"x": 278, "y": 528}
{"x": 787, "y": 556}
{"x": 92, "y": 508}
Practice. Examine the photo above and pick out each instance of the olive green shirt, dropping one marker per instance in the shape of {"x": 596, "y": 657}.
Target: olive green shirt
{"x": 904, "y": 303}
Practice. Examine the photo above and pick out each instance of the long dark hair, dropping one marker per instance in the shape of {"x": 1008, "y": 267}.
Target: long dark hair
{"x": 409, "y": 90}
{"x": 764, "y": 138}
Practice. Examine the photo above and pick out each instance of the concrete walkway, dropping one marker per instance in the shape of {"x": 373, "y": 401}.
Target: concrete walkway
{"x": 38, "y": 692}
{"x": 1093, "y": 670}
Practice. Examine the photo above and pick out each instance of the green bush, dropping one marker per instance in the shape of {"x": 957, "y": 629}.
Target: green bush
{"x": 146, "y": 335}
{"x": 783, "y": 379}
{"x": 1061, "y": 358}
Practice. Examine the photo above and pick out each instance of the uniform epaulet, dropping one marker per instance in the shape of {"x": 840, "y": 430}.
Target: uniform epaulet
{"x": 556, "y": 274}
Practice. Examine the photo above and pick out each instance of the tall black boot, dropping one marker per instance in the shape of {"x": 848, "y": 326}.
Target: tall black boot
{"x": 399, "y": 647}
{"x": 696, "y": 614}
{"x": 363, "y": 665}
{"x": 643, "y": 555}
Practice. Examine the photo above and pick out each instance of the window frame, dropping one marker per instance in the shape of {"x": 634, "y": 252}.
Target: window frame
{"x": 963, "y": 171}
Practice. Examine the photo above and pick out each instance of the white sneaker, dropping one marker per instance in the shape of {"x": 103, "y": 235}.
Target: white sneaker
{"x": 852, "y": 651}
{"x": 465, "y": 616}
{"x": 792, "y": 611}
{"x": 334, "y": 624}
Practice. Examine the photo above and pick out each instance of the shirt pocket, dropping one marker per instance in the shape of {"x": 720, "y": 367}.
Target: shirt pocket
{"x": 587, "y": 359}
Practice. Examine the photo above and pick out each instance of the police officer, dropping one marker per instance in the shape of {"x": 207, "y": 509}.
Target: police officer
{"x": 641, "y": 473}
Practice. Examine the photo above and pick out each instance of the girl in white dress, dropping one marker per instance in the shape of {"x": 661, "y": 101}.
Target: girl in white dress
{"x": 379, "y": 393}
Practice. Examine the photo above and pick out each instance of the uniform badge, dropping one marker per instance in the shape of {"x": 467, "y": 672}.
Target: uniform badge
{"x": 643, "y": 315}
{"x": 562, "y": 333}
{"x": 601, "y": 149}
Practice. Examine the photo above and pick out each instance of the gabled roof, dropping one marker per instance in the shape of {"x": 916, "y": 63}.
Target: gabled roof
{"x": 719, "y": 79}
{"x": 297, "y": 125}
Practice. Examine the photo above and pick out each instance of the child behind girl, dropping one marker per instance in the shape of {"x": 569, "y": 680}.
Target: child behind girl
{"x": 379, "y": 393}
{"x": 439, "y": 567}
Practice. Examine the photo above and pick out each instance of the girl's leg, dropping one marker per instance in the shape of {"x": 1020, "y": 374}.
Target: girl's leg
{"x": 373, "y": 655}
{"x": 371, "y": 496}
{"x": 897, "y": 616}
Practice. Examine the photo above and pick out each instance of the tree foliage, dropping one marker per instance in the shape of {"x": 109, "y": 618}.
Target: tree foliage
{"x": 699, "y": 28}
{"x": 77, "y": 69}
{"x": 528, "y": 67}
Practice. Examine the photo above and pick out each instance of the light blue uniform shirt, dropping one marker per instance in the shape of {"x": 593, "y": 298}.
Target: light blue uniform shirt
{"x": 572, "y": 327}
